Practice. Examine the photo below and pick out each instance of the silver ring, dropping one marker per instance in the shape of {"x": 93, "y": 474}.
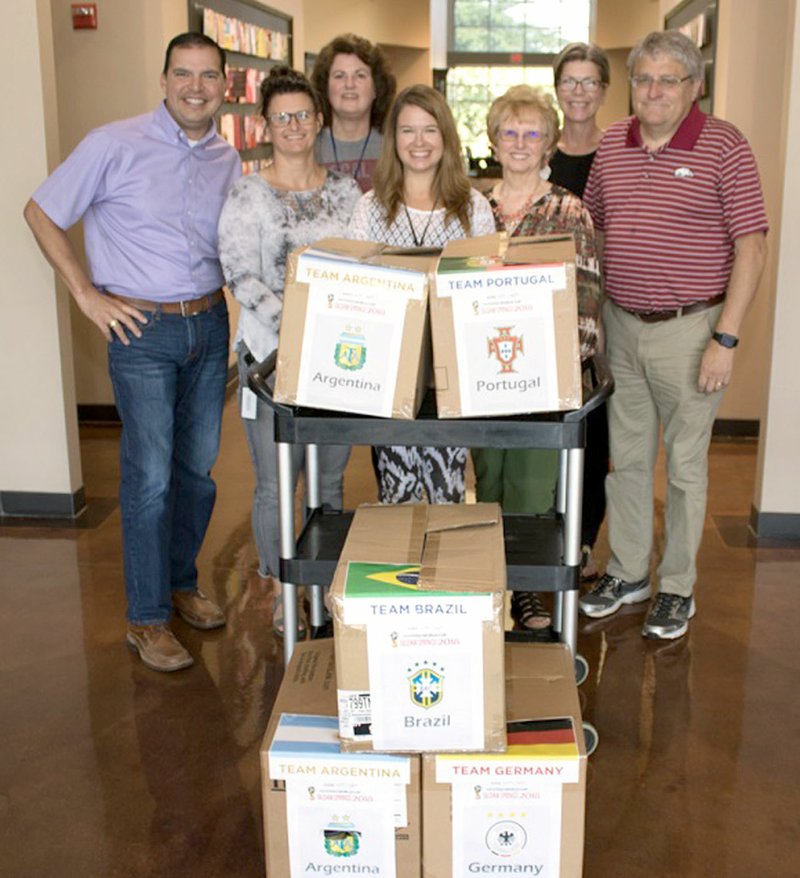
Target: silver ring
{"x": 113, "y": 323}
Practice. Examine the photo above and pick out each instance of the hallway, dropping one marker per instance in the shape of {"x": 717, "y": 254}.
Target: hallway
{"x": 108, "y": 769}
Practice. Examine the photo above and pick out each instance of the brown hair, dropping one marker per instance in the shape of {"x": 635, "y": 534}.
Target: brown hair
{"x": 284, "y": 80}
{"x": 516, "y": 102}
{"x": 582, "y": 52}
{"x": 373, "y": 56}
{"x": 451, "y": 186}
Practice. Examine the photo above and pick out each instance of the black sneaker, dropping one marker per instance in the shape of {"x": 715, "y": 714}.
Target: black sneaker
{"x": 669, "y": 617}
{"x": 611, "y": 593}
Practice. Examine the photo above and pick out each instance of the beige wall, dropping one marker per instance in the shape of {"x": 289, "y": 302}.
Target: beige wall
{"x": 750, "y": 86}
{"x": 382, "y": 21}
{"x": 620, "y": 24}
{"x": 778, "y": 478}
{"x": 38, "y": 430}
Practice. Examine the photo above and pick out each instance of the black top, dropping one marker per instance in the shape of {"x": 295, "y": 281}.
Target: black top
{"x": 571, "y": 171}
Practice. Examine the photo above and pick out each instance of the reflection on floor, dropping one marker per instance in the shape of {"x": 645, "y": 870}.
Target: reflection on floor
{"x": 108, "y": 769}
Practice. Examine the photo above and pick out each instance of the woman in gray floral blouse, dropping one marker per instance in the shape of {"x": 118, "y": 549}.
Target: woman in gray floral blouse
{"x": 291, "y": 202}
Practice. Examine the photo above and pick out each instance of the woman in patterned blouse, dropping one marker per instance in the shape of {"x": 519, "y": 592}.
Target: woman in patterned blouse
{"x": 523, "y": 128}
{"x": 292, "y": 202}
{"x": 422, "y": 198}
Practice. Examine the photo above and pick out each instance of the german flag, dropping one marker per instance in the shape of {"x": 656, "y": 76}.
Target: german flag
{"x": 542, "y": 739}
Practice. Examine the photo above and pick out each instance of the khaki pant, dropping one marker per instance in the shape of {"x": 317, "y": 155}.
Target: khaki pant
{"x": 655, "y": 368}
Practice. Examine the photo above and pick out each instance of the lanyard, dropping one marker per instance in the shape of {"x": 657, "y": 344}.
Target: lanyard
{"x": 360, "y": 158}
{"x": 418, "y": 242}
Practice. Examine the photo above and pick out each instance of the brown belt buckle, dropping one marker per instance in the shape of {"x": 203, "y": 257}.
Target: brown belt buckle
{"x": 186, "y": 305}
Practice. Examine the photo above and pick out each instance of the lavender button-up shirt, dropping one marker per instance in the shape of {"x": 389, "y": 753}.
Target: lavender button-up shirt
{"x": 150, "y": 203}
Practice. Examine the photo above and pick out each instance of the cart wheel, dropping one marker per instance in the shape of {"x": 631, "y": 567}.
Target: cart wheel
{"x": 581, "y": 669}
{"x": 591, "y": 736}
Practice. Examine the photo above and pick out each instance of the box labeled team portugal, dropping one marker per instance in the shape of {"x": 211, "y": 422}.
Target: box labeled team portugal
{"x": 520, "y": 812}
{"x": 327, "y": 812}
{"x": 354, "y": 333}
{"x": 417, "y": 604}
{"x": 504, "y": 322}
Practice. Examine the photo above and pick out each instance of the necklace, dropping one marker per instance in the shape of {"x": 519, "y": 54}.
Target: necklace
{"x": 360, "y": 158}
{"x": 418, "y": 242}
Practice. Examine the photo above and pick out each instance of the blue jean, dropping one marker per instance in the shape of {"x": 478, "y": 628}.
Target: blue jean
{"x": 169, "y": 387}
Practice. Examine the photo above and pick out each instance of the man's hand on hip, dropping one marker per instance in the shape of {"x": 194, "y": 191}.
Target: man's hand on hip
{"x": 111, "y": 316}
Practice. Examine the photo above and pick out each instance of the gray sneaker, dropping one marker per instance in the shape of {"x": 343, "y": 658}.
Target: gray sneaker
{"x": 611, "y": 593}
{"x": 669, "y": 617}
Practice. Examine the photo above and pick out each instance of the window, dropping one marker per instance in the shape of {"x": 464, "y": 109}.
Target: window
{"x": 494, "y": 44}
{"x": 531, "y": 26}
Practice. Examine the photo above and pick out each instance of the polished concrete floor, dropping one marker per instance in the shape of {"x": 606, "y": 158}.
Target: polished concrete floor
{"x": 108, "y": 769}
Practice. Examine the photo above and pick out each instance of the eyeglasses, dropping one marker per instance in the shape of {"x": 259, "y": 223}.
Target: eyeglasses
{"x": 281, "y": 120}
{"x": 666, "y": 83}
{"x": 509, "y": 135}
{"x": 588, "y": 83}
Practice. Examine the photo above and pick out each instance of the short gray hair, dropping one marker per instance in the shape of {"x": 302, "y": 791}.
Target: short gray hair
{"x": 669, "y": 42}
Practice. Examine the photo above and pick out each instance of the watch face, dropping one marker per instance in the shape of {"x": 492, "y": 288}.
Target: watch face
{"x": 726, "y": 340}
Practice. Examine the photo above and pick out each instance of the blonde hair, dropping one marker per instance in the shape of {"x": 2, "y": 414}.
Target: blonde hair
{"x": 451, "y": 187}
{"x": 519, "y": 101}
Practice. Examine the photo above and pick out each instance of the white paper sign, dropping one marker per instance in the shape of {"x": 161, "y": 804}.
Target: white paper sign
{"x": 426, "y": 683}
{"x": 501, "y": 830}
{"x": 505, "y": 337}
{"x": 339, "y": 827}
{"x": 353, "y": 334}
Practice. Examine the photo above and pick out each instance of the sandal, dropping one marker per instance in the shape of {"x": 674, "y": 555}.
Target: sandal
{"x": 278, "y": 628}
{"x": 529, "y": 611}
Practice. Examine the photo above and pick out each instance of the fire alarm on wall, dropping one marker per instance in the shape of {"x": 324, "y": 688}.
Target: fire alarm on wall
{"x": 84, "y": 15}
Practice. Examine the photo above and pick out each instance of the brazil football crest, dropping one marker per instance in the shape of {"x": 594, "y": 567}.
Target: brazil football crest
{"x": 350, "y": 352}
{"x": 342, "y": 839}
{"x": 505, "y": 348}
{"x": 426, "y": 685}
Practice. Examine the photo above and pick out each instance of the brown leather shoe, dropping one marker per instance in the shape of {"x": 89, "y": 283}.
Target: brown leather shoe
{"x": 198, "y": 610}
{"x": 158, "y": 647}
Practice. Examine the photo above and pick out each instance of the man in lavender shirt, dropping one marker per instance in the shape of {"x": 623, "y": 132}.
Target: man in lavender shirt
{"x": 150, "y": 190}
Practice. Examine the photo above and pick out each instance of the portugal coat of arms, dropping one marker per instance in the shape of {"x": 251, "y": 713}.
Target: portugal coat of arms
{"x": 505, "y": 347}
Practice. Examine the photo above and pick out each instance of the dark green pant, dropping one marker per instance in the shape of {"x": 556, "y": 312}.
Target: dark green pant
{"x": 521, "y": 480}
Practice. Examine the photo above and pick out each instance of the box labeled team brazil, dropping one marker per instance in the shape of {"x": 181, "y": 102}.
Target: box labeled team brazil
{"x": 354, "y": 329}
{"x": 417, "y": 604}
{"x": 504, "y": 324}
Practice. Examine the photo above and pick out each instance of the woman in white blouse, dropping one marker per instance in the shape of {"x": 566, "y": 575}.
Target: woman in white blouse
{"x": 292, "y": 202}
{"x": 421, "y": 198}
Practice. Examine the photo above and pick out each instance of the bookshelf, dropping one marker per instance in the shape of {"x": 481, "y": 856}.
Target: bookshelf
{"x": 255, "y": 38}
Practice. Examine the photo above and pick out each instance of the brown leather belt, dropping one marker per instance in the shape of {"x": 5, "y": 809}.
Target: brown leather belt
{"x": 658, "y": 316}
{"x": 186, "y": 308}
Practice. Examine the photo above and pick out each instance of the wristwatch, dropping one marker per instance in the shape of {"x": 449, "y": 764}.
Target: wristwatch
{"x": 726, "y": 340}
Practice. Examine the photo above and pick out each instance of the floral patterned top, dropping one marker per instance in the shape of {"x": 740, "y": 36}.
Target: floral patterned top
{"x": 258, "y": 229}
{"x": 559, "y": 212}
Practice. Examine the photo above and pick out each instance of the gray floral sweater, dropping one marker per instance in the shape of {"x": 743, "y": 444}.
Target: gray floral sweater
{"x": 258, "y": 228}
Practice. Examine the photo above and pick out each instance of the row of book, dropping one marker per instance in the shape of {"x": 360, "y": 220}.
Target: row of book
{"x": 244, "y": 85}
{"x": 241, "y": 36}
{"x": 242, "y": 132}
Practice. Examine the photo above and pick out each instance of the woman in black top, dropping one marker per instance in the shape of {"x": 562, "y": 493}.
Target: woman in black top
{"x": 581, "y": 74}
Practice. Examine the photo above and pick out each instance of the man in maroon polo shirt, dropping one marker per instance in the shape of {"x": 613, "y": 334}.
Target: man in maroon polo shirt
{"x": 676, "y": 197}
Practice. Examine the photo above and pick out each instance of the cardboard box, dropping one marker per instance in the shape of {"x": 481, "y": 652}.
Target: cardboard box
{"x": 354, "y": 331}
{"x": 504, "y": 322}
{"x": 417, "y": 603}
{"x": 309, "y": 785}
{"x": 521, "y": 812}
